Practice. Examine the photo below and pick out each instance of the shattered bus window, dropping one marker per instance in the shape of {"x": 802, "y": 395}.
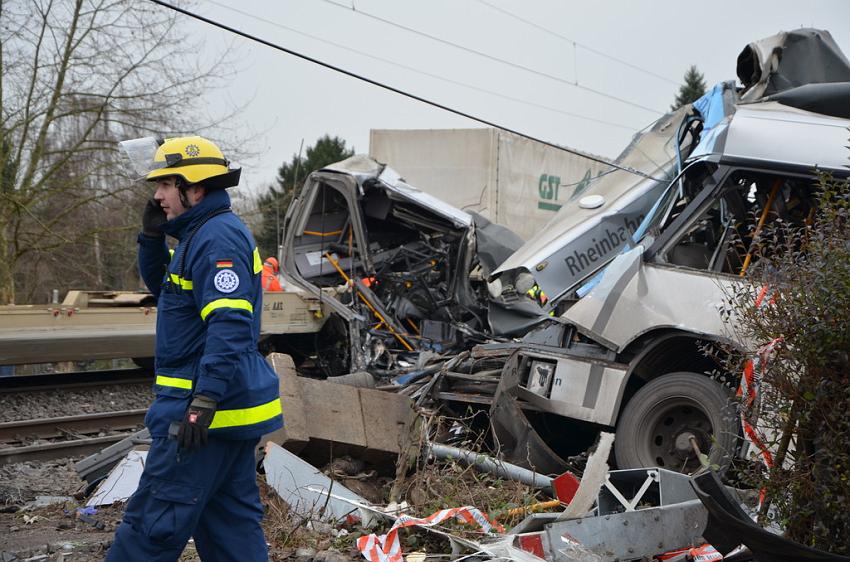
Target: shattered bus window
{"x": 718, "y": 235}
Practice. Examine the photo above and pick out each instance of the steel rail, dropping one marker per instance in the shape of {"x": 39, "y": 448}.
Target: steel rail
{"x": 52, "y": 428}
{"x": 58, "y": 449}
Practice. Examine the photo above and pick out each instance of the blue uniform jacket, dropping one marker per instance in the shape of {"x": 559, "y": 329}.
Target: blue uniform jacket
{"x": 208, "y": 323}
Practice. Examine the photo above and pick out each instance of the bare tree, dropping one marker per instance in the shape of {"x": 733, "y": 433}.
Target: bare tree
{"x": 76, "y": 76}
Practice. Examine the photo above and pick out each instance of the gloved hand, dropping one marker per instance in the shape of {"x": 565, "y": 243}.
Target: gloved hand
{"x": 153, "y": 218}
{"x": 196, "y": 423}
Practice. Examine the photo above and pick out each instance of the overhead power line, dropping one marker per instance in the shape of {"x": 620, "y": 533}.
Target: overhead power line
{"x": 393, "y": 89}
{"x": 577, "y": 44}
{"x": 419, "y": 71}
{"x": 518, "y": 66}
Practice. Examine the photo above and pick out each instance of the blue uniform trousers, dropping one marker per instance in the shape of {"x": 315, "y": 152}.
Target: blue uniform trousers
{"x": 210, "y": 494}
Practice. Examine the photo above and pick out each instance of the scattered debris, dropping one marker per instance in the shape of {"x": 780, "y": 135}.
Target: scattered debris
{"x": 386, "y": 548}
{"x": 294, "y": 480}
{"x": 493, "y": 466}
{"x": 404, "y": 268}
{"x": 44, "y": 501}
{"x": 95, "y": 467}
{"x": 121, "y": 482}
{"x": 729, "y": 526}
{"x": 424, "y": 298}
{"x": 595, "y": 474}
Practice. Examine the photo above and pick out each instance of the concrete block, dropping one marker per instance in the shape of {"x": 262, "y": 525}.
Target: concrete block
{"x": 334, "y": 412}
{"x": 387, "y": 417}
{"x": 294, "y": 432}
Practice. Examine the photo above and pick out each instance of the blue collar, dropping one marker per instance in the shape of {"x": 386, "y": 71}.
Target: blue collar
{"x": 213, "y": 201}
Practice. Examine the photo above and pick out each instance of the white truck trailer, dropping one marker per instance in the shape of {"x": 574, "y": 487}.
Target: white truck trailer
{"x": 510, "y": 180}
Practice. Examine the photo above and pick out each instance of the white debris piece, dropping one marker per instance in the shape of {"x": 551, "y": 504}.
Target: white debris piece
{"x": 594, "y": 477}
{"x": 121, "y": 482}
{"x": 301, "y": 484}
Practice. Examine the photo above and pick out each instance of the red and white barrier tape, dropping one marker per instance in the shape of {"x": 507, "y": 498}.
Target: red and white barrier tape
{"x": 748, "y": 389}
{"x": 387, "y": 548}
{"x": 704, "y": 553}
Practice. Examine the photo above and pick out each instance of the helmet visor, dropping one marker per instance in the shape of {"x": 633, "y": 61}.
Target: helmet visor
{"x": 138, "y": 157}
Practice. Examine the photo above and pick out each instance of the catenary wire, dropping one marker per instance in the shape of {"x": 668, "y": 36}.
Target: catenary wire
{"x": 577, "y": 44}
{"x": 493, "y": 58}
{"x": 419, "y": 71}
{"x": 393, "y": 89}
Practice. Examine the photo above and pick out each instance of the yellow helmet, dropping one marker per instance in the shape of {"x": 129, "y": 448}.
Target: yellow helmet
{"x": 196, "y": 160}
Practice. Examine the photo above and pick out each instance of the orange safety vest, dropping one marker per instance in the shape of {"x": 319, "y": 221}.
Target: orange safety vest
{"x": 270, "y": 282}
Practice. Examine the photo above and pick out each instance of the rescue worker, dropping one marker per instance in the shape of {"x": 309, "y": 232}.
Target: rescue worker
{"x": 215, "y": 395}
{"x": 537, "y": 295}
{"x": 270, "y": 270}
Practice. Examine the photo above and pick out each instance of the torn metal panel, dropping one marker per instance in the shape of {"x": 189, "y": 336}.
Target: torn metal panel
{"x": 122, "y": 480}
{"x": 401, "y": 190}
{"x": 495, "y": 243}
{"x": 295, "y": 481}
{"x": 398, "y": 261}
{"x": 729, "y": 525}
{"x": 771, "y": 134}
{"x": 634, "y": 298}
{"x": 790, "y": 59}
{"x": 94, "y": 467}
{"x": 515, "y": 439}
{"x": 632, "y": 535}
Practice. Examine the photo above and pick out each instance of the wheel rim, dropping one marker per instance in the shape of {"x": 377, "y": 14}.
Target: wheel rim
{"x": 671, "y": 429}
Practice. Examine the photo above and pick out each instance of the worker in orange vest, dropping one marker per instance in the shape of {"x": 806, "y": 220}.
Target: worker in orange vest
{"x": 270, "y": 270}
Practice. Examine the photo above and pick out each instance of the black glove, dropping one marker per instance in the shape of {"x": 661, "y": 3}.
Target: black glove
{"x": 196, "y": 422}
{"x": 153, "y": 218}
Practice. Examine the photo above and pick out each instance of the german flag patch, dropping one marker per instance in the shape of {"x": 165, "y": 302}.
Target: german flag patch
{"x": 224, "y": 263}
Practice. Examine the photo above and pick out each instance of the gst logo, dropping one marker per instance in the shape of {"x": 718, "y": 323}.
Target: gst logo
{"x": 548, "y": 186}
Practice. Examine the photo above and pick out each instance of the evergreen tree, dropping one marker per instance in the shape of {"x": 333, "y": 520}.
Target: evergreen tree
{"x": 691, "y": 90}
{"x": 290, "y": 177}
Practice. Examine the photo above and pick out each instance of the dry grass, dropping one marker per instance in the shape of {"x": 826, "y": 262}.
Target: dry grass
{"x": 446, "y": 484}
{"x": 443, "y": 484}
{"x": 286, "y": 531}
{"x": 428, "y": 486}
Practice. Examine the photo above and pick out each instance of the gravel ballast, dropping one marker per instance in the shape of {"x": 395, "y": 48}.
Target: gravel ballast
{"x": 20, "y": 406}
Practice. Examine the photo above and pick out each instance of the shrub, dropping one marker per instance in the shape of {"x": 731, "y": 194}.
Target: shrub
{"x": 804, "y": 407}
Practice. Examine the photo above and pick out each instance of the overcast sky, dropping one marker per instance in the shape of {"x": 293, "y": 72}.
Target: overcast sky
{"x": 288, "y": 99}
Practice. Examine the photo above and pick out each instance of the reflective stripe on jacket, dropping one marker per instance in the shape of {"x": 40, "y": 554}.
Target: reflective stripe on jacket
{"x": 208, "y": 323}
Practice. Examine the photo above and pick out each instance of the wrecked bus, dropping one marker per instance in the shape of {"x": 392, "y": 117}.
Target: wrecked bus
{"x": 635, "y": 269}
{"x": 628, "y": 349}
{"x": 400, "y": 270}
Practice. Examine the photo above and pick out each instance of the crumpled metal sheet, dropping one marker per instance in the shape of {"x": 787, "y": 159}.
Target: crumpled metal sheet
{"x": 790, "y": 59}
{"x": 729, "y": 525}
{"x": 516, "y": 440}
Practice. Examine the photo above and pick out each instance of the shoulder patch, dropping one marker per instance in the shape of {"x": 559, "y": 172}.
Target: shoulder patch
{"x": 226, "y": 281}
{"x": 224, "y": 263}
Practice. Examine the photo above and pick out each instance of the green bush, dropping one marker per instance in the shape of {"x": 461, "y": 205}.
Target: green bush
{"x": 804, "y": 405}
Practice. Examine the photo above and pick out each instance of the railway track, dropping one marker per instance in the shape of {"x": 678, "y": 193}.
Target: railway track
{"x": 66, "y": 436}
{"x": 83, "y": 379}
{"x": 70, "y": 435}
